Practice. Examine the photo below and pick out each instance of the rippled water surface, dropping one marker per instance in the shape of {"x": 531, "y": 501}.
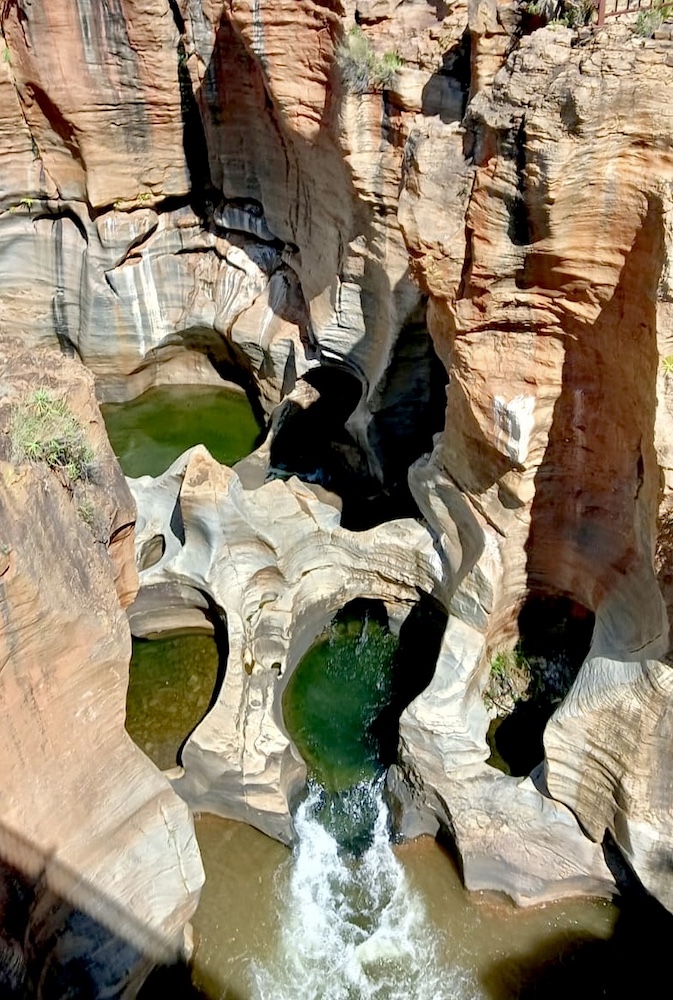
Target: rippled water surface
{"x": 347, "y": 915}
{"x": 257, "y": 925}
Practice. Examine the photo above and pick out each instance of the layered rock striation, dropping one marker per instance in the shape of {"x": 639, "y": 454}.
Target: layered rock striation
{"x": 204, "y": 198}
{"x": 97, "y": 853}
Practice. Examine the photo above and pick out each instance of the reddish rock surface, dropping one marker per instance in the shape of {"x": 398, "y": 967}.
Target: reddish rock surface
{"x": 83, "y": 810}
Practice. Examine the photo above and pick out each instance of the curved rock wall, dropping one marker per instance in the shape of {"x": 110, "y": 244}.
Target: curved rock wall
{"x": 203, "y": 199}
{"x": 89, "y": 826}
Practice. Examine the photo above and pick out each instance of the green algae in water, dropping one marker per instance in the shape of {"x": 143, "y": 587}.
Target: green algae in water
{"x": 336, "y": 695}
{"x": 148, "y": 433}
{"x": 171, "y": 684}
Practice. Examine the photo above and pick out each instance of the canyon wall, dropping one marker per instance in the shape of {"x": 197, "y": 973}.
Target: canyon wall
{"x": 97, "y": 852}
{"x": 192, "y": 193}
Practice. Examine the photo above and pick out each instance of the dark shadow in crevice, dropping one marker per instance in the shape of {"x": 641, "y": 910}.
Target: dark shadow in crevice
{"x": 407, "y": 409}
{"x": 447, "y": 91}
{"x": 519, "y": 228}
{"x": 84, "y": 947}
{"x": 412, "y": 670}
{"x": 555, "y": 637}
{"x": 632, "y": 962}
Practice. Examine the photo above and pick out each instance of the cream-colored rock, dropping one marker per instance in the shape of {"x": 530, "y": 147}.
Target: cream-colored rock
{"x": 79, "y": 800}
{"x": 618, "y": 720}
{"x": 277, "y": 565}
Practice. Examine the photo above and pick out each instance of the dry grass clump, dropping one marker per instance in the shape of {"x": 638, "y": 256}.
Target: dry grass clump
{"x": 44, "y": 429}
{"x": 362, "y": 70}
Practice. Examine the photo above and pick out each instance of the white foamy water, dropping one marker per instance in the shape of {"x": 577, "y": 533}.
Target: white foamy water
{"x": 352, "y": 928}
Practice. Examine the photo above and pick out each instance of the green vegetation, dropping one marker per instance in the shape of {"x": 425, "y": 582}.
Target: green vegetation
{"x": 667, "y": 364}
{"x": 648, "y": 21}
{"x": 510, "y": 679}
{"x": 571, "y": 13}
{"x": 87, "y": 511}
{"x": 44, "y": 429}
{"x": 362, "y": 70}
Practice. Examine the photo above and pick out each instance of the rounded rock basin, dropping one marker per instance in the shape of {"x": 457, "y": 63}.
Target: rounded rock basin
{"x": 149, "y": 432}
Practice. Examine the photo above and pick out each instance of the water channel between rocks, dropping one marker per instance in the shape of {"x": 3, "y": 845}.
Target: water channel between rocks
{"x": 259, "y": 897}
{"x": 347, "y": 915}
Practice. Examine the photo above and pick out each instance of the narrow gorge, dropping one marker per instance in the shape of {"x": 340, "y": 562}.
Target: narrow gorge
{"x": 336, "y": 547}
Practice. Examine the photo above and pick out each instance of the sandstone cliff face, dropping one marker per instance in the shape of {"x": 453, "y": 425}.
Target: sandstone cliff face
{"x": 556, "y": 419}
{"x": 89, "y": 826}
{"x": 203, "y": 199}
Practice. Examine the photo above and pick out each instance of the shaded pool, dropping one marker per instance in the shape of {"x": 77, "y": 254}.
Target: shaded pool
{"x": 336, "y": 695}
{"x": 148, "y": 433}
{"x": 171, "y": 684}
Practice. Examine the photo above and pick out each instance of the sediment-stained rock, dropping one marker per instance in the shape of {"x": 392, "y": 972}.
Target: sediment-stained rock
{"x": 89, "y": 825}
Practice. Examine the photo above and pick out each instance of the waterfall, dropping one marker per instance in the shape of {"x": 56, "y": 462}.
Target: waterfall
{"x": 350, "y": 925}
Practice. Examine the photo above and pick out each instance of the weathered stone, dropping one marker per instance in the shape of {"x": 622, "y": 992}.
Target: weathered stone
{"x": 277, "y": 565}
{"x": 83, "y": 810}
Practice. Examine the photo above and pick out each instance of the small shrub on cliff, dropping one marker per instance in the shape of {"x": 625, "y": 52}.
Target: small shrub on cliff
{"x": 648, "y": 21}
{"x": 44, "y": 429}
{"x": 667, "y": 364}
{"x": 572, "y": 13}
{"x": 509, "y": 680}
{"x": 361, "y": 68}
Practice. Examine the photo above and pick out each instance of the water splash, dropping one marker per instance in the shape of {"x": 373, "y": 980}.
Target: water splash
{"x": 351, "y": 927}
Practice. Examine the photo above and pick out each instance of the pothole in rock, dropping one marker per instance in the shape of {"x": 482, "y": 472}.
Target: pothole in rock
{"x": 528, "y": 683}
{"x": 343, "y": 702}
{"x": 172, "y": 684}
{"x": 149, "y": 432}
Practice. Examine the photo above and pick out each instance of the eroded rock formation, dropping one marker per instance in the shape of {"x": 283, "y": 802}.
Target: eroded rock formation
{"x": 101, "y": 847}
{"x": 240, "y": 214}
{"x": 275, "y": 562}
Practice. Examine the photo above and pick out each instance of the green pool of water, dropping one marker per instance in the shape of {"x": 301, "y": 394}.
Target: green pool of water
{"x": 335, "y": 696}
{"x": 171, "y": 683}
{"x": 148, "y": 433}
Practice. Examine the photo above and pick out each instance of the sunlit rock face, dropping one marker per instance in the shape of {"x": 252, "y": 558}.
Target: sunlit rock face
{"x": 189, "y": 193}
{"x": 553, "y": 325}
{"x": 90, "y": 828}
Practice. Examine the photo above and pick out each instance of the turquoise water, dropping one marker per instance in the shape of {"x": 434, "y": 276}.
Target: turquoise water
{"x": 148, "y": 433}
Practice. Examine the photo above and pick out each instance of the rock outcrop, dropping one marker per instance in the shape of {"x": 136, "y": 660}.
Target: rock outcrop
{"x": 554, "y": 325}
{"x": 276, "y": 564}
{"x": 92, "y": 839}
{"x": 204, "y": 198}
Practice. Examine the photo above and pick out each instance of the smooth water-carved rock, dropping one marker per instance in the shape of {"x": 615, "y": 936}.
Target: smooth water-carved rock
{"x": 84, "y": 813}
{"x": 552, "y": 317}
{"x": 510, "y": 834}
{"x": 277, "y": 564}
{"x": 618, "y": 720}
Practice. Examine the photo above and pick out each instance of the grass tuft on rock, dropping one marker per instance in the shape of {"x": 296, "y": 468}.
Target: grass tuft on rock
{"x": 44, "y": 429}
{"x": 362, "y": 70}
